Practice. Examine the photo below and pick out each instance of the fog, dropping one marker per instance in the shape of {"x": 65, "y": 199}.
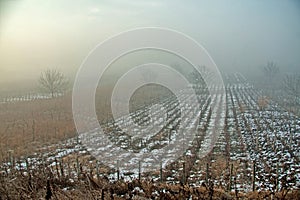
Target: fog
{"x": 135, "y": 120}
{"x": 239, "y": 35}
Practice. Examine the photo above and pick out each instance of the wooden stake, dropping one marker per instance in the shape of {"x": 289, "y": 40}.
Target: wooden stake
{"x": 97, "y": 168}
{"x": 118, "y": 170}
{"x": 161, "y": 172}
{"x": 183, "y": 173}
{"x": 230, "y": 177}
{"x": 139, "y": 170}
{"x": 206, "y": 176}
{"x": 253, "y": 178}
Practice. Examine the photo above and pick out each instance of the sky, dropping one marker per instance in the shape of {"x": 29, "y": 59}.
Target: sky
{"x": 239, "y": 35}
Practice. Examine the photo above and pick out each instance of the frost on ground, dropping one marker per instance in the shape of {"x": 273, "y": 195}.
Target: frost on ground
{"x": 256, "y": 148}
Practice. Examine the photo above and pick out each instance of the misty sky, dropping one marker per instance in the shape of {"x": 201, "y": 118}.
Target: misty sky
{"x": 239, "y": 35}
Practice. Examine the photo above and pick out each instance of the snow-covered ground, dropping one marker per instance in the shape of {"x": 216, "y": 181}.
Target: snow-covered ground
{"x": 248, "y": 135}
{"x": 26, "y": 97}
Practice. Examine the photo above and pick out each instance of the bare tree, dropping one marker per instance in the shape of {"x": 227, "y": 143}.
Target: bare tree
{"x": 149, "y": 75}
{"x": 53, "y": 81}
{"x": 198, "y": 78}
{"x": 270, "y": 71}
{"x": 291, "y": 85}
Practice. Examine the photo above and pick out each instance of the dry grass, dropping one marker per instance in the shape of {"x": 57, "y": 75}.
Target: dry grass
{"x": 43, "y": 183}
{"x": 26, "y": 126}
